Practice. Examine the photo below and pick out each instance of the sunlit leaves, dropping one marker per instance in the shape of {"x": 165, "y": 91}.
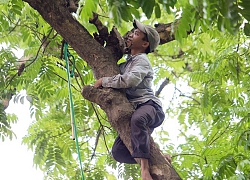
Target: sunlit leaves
{"x": 184, "y": 25}
{"x": 217, "y": 76}
{"x": 244, "y": 140}
{"x": 4, "y": 1}
{"x": 52, "y": 151}
{"x": 227, "y": 167}
{"x": 17, "y": 6}
{"x": 127, "y": 171}
{"x": 5, "y": 124}
{"x": 89, "y": 6}
{"x": 244, "y": 166}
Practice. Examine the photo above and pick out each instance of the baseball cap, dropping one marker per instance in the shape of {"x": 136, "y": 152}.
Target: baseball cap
{"x": 152, "y": 34}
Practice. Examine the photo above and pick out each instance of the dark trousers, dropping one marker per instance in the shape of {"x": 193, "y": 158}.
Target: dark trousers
{"x": 146, "y": 117}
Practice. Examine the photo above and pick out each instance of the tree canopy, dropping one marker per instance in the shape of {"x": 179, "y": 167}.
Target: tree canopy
{"x": 204, "y": 56}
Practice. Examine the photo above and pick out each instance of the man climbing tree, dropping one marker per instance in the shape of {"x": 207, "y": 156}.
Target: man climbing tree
{"x": 136, "y": 77}
{"x": 103, "y": 62}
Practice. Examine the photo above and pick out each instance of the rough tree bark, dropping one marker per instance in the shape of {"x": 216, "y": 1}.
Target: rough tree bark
{"x": 103, "y": 61}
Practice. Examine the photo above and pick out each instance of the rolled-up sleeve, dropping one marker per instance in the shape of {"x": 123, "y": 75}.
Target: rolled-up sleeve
{"x": 132, "y": 77}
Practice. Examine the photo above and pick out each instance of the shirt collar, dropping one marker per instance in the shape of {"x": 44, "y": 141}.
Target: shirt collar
{"x": 130, "y": 57}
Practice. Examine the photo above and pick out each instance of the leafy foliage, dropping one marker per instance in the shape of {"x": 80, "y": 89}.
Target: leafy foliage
{"x": 212, "y": 108}
{"x": 5, "y": 124}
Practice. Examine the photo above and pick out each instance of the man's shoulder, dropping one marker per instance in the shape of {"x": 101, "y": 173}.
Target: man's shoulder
{"x": 141, "y": 58}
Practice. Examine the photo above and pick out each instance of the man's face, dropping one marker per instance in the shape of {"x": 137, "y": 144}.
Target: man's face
{"x": 135, "y": 40}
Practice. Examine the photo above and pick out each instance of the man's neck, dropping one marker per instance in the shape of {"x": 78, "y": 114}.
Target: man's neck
{"x": 137, "y": 51}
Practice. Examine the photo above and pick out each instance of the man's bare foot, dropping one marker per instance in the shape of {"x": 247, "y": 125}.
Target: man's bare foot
{"x": 145, "y": 175}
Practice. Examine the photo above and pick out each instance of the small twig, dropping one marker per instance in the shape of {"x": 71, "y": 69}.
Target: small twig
{"x": 10, "y": 20}
{"x": 16, "y": 24}
{"x": 186, "y": 154}
{"x": 45, "y": 39}
{"x": 37, "y": 52}
{"x": 179, "y": 55}
{"x": 166, "y": 81}
{"x": 163, "y": 84}
{"x": 213, "y": 140}
{"x": 20, "y": 61}
{"x": 60, "y": 133}
{"x": 10, "y": 80}
{"x": 105, "y": 142}
{"x": 101, "y": 128}
{"x": 181, "y": 94}
{"x": 78, "y": 72}
{"x": 102, "y": 10}
{"x": 66, "y": 81}
{"x": 99, "y": 132}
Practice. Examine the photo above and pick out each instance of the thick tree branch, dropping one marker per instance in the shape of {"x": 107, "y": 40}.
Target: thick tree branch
{"x": 166, "y": 81}
{"x": 58, "y": 16}
{"x": 163, "y": 84}
{"x": 113, "y": 41}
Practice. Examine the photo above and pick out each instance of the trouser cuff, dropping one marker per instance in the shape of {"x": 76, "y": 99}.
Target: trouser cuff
{"x": 141, "y": 155}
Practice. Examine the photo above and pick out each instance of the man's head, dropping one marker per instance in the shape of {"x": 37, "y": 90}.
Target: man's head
{"x": 152, "y": 35}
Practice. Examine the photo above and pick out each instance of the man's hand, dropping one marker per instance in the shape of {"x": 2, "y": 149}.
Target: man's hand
{"x": 98, "y": 83}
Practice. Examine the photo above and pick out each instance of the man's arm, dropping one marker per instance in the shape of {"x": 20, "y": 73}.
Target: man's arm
{"x": 132, "y": 78}
{"x": 98, "y": 83}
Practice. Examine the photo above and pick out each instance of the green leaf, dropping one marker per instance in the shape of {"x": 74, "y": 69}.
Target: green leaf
{"x": 17, "y": 9}
{"x": 116, "y": 15}
{"x": 22, "y": 99}
{"x": 157, "y": 11}
{"x": 220, "y": 23}
{"x": 4, "y": 1}
{"x": 247, "y": 29}
{"x": 147, "y": 7}
{"x": 126, "y": 14}
{"x": 134, "y": 3}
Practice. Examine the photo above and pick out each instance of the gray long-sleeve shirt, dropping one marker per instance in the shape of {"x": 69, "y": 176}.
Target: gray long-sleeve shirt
{"x": 136, "y": 77}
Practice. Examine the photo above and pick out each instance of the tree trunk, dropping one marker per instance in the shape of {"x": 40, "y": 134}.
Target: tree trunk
{"x": 103, "y": 62}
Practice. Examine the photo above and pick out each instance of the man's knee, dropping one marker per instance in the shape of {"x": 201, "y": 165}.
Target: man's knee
{"x": 137, "y": 119}
{"x": 122, "y": 157}
{"x": 143, "y": 115}
{"x": 115, "y": 153}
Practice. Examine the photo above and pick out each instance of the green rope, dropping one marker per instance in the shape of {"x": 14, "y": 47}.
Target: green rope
{"x": 66, "y": 57}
